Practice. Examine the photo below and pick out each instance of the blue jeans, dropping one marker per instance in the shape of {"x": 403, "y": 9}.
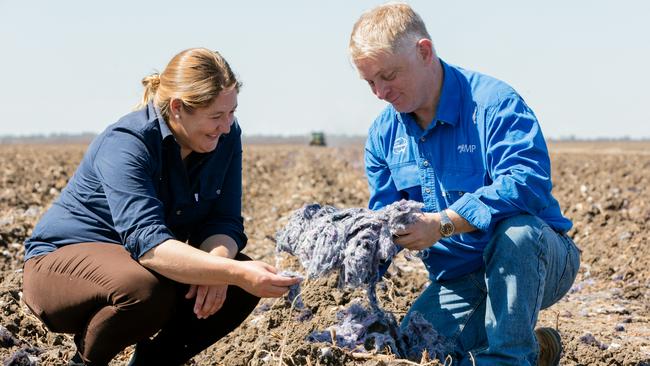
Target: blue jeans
{"x": 492, "y": 312}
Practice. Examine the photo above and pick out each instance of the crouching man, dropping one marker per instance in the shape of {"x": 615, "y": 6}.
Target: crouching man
{"x": 492, "y": 237}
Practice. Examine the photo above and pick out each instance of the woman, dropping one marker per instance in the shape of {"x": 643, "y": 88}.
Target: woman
{"x": 154, "y": 206}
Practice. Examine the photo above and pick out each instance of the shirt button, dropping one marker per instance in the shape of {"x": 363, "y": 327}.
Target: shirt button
{"x": 179, "y": 212}
{"x": 422, "y": 139}
{"x": 425, "y": 163}
{"x": 427, "y": 190}
{"x": 218, "y": 191}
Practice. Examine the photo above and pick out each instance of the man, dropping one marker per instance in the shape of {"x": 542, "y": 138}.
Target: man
{"x": 492, "y": 237}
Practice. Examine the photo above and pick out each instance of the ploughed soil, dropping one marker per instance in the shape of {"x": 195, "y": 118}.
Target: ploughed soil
{"x": 603, "y": 187}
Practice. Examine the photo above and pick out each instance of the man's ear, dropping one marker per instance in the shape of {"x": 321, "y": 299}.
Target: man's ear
{"x": 425, "y": 50}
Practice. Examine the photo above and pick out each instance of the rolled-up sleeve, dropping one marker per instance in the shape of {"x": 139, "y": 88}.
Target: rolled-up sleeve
{"x": 124, "y": 165}
{"x": 225, "y": 217}
{"x": 518, "y": 164}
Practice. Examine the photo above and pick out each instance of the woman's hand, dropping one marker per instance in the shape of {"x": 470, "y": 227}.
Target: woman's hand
{"x": 183, "y": 263}
{"x": 209, "y": 299}
{"x": 260, "y": 279}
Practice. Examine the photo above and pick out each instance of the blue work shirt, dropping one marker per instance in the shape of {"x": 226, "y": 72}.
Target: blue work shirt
{"x": 132, "y": 188}
{"x": 483, "y": 156}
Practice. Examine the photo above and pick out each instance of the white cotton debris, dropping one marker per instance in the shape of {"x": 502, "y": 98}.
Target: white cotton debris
{"x": 293, "y": 296}
{"x": 590, "y": 340}
{"x": 362, "y": 329}
{"x": 353, "y": 241}
{"x": 294, "y": 299}
{"x": 356, "y": 242}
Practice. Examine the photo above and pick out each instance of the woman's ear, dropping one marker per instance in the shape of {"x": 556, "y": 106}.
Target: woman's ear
{"x": 175, "y": 106}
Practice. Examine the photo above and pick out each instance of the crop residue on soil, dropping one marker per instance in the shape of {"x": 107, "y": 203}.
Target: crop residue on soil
{"x": 604, "y": 320}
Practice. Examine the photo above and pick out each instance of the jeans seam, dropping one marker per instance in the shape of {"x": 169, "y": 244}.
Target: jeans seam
{"x": 477, "y": 283}
{"x": 540, "y": 287}
{"x": 567, "y": 260}
{"x": 564, "y": 272}
{"x": 462, "y": 326}
{"x": 570, "y": 247}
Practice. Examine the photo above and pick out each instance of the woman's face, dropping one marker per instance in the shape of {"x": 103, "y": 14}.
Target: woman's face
{"x": 200, "y": 129}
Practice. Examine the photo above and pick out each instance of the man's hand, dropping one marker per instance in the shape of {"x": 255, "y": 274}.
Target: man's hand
{"x": 209, "y": 299}
{"x": 421, "y": 234}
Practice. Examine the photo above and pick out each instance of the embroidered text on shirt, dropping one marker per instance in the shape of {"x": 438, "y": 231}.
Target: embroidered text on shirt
{"x": 466, "y": 148}
{"x": 399, "y": 146}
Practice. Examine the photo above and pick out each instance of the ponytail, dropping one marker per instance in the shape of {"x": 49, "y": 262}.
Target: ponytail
{"x": 151, "y": 84}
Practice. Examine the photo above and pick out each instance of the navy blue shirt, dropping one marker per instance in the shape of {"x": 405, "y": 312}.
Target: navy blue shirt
{"x": 132, "y": 188}
{"x": 483, "y": 156}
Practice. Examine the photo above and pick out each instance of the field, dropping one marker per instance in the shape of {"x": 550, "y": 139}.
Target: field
{"x": 604, "y": 187}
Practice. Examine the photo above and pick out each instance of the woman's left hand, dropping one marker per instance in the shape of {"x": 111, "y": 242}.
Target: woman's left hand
{"x": 209, "y": 299}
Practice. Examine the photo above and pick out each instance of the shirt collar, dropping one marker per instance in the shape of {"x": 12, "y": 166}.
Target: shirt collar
{"x": 154, "y": 113}
{"x": 449, "y": 103}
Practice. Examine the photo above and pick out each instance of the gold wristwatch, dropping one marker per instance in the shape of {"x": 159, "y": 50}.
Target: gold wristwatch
{"x": 447, "y": 227}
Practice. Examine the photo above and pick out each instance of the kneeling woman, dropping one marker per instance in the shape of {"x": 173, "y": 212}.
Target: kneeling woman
{"x": 146, "y": 237}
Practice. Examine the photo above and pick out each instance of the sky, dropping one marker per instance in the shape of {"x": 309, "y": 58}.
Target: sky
{"x": 76, "y": 66}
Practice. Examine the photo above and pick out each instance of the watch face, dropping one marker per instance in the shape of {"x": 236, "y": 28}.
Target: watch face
{"x": 447, "y": 229}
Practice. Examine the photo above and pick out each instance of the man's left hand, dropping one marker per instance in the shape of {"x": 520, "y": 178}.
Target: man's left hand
{"x": 421, "y": 234}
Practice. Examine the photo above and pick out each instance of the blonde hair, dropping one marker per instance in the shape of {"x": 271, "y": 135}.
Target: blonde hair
{"x": 195, "y": 76}
{"x": 386, "y": 28}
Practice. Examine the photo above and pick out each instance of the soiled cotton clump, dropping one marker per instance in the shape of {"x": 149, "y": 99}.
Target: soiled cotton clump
{"x": 354, "y": 241}
{"x": 294, "y": 298}
{"x": 362, "y": 329}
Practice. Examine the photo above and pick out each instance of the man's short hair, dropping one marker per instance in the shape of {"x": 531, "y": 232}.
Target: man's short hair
{"x": 386, "y": 28}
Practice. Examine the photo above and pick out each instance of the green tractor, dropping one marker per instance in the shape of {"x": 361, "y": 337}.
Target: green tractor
{"x": 317, "y": 139}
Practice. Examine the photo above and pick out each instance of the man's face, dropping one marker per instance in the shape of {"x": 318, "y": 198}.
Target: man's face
{"x": 400, "y": 78}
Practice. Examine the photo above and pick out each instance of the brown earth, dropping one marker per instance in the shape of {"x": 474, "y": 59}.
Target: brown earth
{"x": 602, "y": 187}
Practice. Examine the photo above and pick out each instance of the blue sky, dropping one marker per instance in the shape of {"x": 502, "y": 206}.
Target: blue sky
{"x": 76, "y": 66}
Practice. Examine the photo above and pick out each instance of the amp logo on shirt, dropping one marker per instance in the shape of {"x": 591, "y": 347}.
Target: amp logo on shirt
{"x": 399, "y": 146}
{"x": 466, "y": 148}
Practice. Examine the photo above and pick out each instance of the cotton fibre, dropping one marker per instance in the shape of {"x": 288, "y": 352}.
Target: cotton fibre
{"x": 353, "y": 241}
{"x": 361, "y": 329}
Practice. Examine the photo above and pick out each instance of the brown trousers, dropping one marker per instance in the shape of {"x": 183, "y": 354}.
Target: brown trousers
{"x": 109, "y": 301}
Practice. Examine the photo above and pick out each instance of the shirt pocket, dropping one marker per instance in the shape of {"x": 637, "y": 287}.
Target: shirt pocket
{"x": 405, "y": 175}
{"x": 456, "y": 184}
